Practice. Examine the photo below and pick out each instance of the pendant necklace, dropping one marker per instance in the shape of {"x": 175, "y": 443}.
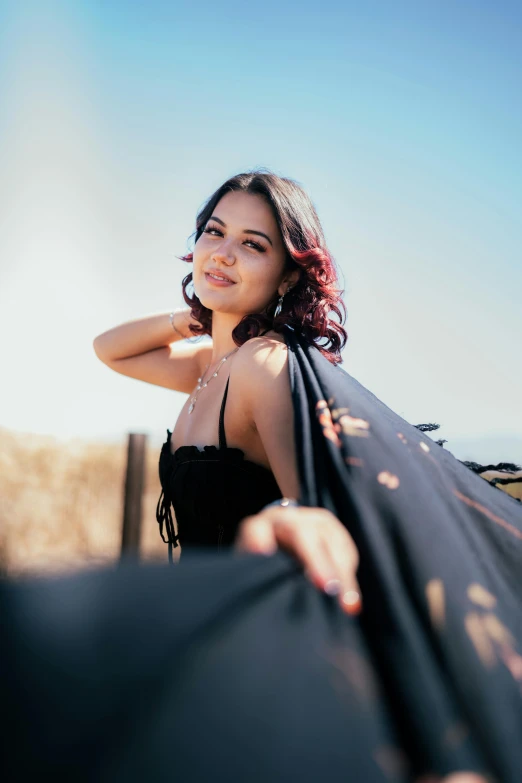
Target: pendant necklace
{"x": 201, "y": 386}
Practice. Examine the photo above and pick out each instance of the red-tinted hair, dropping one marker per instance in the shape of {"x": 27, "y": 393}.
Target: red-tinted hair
{"x": 308, "y": 306}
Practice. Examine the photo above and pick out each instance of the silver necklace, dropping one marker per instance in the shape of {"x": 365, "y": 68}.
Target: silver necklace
{"x": 201, "y": 386}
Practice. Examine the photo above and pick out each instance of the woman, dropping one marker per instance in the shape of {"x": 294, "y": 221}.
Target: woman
{"x": 424, "y": 681}
{"x": 259, "y": 262}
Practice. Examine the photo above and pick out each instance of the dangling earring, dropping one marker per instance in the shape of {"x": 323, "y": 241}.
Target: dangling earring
{"x": 279, "y": 306}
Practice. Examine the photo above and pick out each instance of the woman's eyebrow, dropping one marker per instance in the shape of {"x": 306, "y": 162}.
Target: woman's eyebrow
{"x": 246, "y": 230}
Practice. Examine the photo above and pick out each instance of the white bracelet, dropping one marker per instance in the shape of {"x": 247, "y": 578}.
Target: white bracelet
{"x": 171, "y": 318}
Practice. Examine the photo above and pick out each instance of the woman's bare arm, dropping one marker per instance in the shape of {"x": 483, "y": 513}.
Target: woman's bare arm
{"x": 261, "y": 367}
{"x": 316, "y": 537}
{"x": 149, "y": 350}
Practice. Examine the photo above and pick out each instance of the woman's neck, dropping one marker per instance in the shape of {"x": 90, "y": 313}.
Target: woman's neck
{"x": 223, "y": 324}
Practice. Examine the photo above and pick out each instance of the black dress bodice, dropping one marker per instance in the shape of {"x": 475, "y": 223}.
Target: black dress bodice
{"x": 210, "y": 491}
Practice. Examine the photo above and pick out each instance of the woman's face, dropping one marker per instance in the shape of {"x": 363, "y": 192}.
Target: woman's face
{"x": 241, "y": 240}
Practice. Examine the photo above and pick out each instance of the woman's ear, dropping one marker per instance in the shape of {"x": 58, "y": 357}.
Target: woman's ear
{"x": 293, "y": 278}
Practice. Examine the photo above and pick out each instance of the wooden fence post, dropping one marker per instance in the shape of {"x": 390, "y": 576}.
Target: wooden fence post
{"x": 134, "y": 483}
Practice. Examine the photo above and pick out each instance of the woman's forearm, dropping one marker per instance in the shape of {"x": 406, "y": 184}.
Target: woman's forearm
{"x": 142, "y": 334}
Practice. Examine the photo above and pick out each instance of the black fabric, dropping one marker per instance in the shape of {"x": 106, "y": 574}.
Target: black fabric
{"x": 208, "y": 492}
{"x": 233, "y": 667}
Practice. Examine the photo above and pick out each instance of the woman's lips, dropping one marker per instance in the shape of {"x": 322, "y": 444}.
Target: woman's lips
{"x": 217, "y": 282}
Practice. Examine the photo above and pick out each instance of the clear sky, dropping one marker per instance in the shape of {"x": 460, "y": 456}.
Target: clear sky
{"x": 403, "y": 121}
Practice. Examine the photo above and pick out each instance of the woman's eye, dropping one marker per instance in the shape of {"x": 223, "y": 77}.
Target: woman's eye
{"x": 257, "y": 246}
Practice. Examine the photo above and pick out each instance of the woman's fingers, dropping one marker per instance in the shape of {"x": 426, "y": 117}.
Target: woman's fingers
{"x": 317, "y": 538}
{"x": 327, "y": 551}
{"x": 345, "y": 557}
{"x": 305, "y": 541}
{"x": 256, "y": 534}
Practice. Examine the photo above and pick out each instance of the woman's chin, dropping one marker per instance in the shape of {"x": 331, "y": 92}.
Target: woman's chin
{"x": 218, "y": 300}
{"x": 217, "y": 305}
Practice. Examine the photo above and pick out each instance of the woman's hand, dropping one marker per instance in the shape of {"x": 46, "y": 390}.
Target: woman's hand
{"x": 316, "y": 538}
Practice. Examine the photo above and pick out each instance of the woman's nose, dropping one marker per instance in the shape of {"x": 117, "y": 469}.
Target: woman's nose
{"x": 225, "y": 253}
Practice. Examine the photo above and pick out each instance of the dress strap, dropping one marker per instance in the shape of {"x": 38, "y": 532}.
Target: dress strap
{"x": 222, "y": 437}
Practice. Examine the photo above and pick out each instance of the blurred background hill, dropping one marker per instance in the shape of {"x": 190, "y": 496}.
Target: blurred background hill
{"x": 61, "y": 504}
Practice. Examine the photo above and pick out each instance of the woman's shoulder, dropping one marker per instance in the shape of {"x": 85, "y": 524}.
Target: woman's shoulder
{"x": 257, "y": 349}
{"x": 261, "y": 359}
{"x": 272, "y": 335}
{"x": 260, "y": 376}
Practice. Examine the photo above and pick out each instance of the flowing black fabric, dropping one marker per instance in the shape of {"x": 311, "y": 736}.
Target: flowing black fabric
{"x": 233, "y": 667}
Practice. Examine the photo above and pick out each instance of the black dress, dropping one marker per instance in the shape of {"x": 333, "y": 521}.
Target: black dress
{"x": 210, "y": 491}
{"x": 233, "y": 668}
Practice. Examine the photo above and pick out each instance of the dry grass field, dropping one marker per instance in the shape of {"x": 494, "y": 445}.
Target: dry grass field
{"x": 61, "y": 505}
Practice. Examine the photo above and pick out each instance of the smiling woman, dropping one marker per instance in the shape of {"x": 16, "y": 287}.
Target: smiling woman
{"x": 259, "y": 267}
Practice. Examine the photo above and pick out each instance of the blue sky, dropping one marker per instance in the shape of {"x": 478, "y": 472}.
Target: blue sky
{"x": 402, "y": 120}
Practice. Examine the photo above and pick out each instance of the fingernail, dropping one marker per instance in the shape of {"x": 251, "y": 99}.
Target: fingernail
{"x": 351, "y": 602}
{"x": 332, "y": 587}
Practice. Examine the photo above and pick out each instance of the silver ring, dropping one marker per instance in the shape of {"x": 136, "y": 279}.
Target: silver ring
{"x": 284, "y": 502}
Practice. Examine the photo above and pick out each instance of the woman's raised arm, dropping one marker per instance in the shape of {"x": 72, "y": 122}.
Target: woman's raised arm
{"x": 150, "y": 350}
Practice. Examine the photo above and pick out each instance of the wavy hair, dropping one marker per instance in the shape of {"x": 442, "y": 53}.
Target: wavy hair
{"x": 308, "y": 305}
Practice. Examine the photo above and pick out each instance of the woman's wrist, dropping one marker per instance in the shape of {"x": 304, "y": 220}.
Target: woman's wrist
{"x": 179, "y": 320}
